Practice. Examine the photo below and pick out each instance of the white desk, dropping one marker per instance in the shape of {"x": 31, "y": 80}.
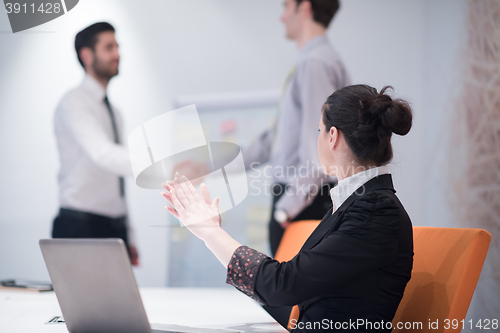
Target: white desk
{"x": 22, "y": 312}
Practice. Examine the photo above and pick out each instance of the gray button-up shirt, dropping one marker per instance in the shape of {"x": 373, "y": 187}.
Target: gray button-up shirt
{"x": 293, "y": 153}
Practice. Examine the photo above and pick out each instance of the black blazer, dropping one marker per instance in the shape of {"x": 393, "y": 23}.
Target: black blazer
{"x": 355, "y": 265}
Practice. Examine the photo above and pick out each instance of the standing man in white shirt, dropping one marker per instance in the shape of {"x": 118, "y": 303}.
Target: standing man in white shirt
{"x": 89, "y": 135}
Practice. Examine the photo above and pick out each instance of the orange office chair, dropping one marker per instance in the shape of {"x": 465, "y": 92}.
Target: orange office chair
{"x": 446, "y": 266}
{"x": 293, "y": 238}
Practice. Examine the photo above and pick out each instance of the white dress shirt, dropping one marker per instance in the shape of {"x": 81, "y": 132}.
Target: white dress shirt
{"x": 91, "y": 161}
{"x": 349, "y": 185}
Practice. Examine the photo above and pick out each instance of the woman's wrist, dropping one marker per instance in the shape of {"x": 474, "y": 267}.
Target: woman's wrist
{"x": 210, "y": 233}
{"x": 221, "y": 244}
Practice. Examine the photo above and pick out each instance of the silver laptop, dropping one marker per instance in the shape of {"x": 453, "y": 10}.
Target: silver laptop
{"x": 96, "y": 289}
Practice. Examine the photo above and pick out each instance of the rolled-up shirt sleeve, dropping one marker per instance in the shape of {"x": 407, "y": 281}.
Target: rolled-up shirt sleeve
{"x": 242, "y": 269}
{"x": 254, "y": 155}
{"x": 259, "y": 151}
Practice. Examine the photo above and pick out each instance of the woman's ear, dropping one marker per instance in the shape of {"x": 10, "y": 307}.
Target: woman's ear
{"x": 334, "y": 137}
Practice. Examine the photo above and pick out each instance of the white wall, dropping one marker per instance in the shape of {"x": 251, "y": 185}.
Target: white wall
{"x": 382, "y": 44}
{"x": 441, "y": 85}
{"x": 180, "y": 47}
{"x": 171, "y": 48}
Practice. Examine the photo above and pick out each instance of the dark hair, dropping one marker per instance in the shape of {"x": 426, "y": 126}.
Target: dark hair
{"x": 88, "y": 37}
{"x": 367, "y": 120}
{"x": 323, "y": 10}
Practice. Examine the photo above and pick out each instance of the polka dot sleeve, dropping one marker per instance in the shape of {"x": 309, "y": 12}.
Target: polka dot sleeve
{"x": 242, "y": 270}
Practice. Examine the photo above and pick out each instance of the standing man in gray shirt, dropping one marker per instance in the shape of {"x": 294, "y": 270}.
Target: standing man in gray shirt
{"x": 300, "y": 190}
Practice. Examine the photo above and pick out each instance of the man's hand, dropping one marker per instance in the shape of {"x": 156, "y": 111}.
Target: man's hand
{"x": 134, "y": 255}
{"x": 282, "y": 218}
{"x": 284, "y": 224}
{"x": 194, "y": 171}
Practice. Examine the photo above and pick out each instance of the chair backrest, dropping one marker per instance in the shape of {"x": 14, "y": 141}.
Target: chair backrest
{"x": 294, "y": 237}
{"x": 447, "y": 263}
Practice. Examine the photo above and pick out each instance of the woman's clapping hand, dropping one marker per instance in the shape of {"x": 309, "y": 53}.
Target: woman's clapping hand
{"x": 198, "y": 213}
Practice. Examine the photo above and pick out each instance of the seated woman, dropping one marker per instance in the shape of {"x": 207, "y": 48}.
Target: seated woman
{"x": 351, "y": 272}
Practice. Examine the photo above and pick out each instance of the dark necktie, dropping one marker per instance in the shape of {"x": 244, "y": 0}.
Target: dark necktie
{"x": 117, "y": 140}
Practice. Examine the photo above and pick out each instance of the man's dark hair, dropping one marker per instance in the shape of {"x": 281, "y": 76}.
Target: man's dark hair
{"x": 88, "y": 37}
{"x": 323, "y": 10}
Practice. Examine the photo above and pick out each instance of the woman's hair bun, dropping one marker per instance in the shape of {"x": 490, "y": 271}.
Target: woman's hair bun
{"x": 380, "y": 113}
{"x": 398, "y": 115}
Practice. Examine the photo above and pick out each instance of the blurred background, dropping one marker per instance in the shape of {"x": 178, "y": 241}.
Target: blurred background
{"x": 175, "y": 51}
